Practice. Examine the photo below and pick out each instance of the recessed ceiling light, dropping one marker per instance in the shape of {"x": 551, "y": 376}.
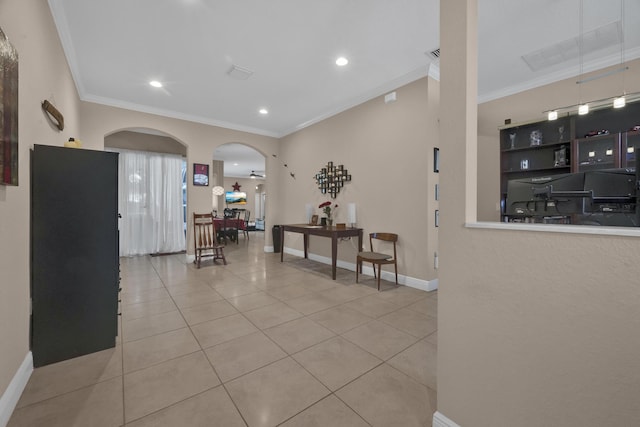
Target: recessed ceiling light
{"x": 155, "y": 83}
{"x": 342, "y": 61}
{"x": 263, "y": 111}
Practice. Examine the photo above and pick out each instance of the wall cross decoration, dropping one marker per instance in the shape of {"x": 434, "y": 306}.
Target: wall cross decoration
{"x": 331, "y": 179}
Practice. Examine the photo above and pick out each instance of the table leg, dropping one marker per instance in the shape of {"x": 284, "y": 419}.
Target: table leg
{"x": 334, "y": 255}
{"x": 360, "y": 247}
{"x": 281, "y": 244}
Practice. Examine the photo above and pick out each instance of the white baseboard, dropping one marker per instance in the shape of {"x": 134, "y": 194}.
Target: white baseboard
{"x": 12, "y": 394}
{"x": 412, "y": 282}
{"x": 440, "y": 420}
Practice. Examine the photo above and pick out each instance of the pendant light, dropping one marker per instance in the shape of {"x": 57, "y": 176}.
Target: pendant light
{"x": 582, "y": 108}
{"x": 621, "y": 101}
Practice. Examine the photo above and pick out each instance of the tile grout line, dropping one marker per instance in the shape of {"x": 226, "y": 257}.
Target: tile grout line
{"x": 303, "y": 316}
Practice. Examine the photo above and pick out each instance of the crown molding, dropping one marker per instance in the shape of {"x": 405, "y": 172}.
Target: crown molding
{"x": 405, "y": 79}
{"x": 175, "y": 115}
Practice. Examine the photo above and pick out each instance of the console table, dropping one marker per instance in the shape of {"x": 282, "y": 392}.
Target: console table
{"x": 325, "y": 231}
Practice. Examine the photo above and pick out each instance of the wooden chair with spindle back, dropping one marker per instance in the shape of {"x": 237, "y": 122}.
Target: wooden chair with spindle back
{"x": 204, "y": 239}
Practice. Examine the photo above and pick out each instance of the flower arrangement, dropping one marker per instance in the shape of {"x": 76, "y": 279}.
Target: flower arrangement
{"x": 326, "y": 208}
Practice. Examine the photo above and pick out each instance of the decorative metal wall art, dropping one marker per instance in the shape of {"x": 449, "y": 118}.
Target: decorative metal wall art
{"x": 331, "y": 179}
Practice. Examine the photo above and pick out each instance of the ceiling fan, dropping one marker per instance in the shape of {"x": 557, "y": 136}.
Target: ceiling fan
{"x": 254, "y": 175}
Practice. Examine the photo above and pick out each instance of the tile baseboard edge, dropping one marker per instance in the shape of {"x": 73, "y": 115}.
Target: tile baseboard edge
{"x": 12, "y": 394}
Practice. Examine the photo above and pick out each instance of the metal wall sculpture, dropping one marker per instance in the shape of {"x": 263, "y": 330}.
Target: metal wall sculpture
{"x": 331, "y": 179}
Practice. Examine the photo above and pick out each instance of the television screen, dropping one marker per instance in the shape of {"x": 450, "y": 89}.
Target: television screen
{"x": 614, "y": 198}
{"x": 553, "y": 195}
{"x": 236, "y": 198}
{"x": 611, "y": 185}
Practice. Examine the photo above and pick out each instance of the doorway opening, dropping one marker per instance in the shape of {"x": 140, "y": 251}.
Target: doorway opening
{"x": 151, "y": 191}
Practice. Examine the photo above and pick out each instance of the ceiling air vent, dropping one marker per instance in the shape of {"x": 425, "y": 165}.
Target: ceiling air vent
{"x": 239, "y": 73}
{"x": 592, "y": 41}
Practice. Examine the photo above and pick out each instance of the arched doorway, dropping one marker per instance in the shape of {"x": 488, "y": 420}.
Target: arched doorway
{"x": 242, "y": 168}
{"x": 151, "y": 191}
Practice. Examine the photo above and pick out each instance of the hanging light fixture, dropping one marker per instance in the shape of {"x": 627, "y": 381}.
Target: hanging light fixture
{"x": 620, "y": 101}
{"x": 617, "y": 101}
{"x": 583, "y": 108}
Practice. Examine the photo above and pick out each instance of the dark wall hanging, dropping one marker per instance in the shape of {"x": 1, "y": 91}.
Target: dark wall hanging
{"x": 8, "y": 112}
{"x": 331, "y": 179}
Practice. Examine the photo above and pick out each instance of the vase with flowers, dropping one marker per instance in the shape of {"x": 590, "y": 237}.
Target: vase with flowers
{"x": 326, "y": 208}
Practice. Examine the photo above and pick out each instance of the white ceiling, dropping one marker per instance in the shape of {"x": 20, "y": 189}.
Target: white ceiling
{"x": 116, "y": 47}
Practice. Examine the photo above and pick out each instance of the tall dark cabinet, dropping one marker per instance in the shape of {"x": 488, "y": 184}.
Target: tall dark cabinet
{"x": 74, "y": 252}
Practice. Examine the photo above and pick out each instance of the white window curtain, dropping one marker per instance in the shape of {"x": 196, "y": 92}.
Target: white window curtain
{"x": 150, "y": 202}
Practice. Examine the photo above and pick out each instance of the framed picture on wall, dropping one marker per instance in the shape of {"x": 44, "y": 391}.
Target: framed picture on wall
{"x": 200, "y": 174}
{"x": 8, "y": 112}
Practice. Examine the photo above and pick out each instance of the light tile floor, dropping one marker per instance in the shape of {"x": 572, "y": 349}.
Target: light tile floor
{"x": 254, "y": 343}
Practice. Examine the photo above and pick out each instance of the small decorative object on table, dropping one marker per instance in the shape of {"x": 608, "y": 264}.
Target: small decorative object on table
{"x": 326, "y": 208}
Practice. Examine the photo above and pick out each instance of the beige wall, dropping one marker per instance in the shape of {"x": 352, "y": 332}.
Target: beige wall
{"x": 201, "y": 141}
{"x": 43, "y": 74}
{"x": 144, "y": 142}
{"x": 388, "y": 150}
{"x": 534, "y": 328}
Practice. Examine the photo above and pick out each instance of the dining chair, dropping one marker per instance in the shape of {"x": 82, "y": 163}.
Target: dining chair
{"x": 378, "y": 257}
{"x": 245, "y": 223}
{"x": 231, "y": 224}
{"x": 205, "y": 241}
